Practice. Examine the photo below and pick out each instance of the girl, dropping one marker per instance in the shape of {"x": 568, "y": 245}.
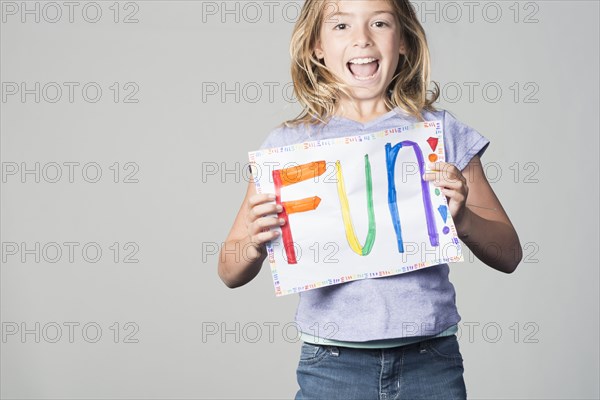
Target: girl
{"x": 359, "y": 67}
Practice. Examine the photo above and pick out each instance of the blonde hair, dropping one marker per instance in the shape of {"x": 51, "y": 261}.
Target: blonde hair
{"x": 317, "y": 88}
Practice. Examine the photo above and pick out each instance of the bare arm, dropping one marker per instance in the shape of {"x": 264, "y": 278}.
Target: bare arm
{"x": 243, "y": 252}
{"x": 481, "y": 222}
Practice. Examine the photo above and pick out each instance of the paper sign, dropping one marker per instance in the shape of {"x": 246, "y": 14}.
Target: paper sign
{"x": 356, "y": 207}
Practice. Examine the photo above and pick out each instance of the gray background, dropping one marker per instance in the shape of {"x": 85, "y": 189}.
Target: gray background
{"x": 532, "y": 334}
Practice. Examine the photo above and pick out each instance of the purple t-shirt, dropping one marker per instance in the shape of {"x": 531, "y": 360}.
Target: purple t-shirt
{"x": 418, "y": 303}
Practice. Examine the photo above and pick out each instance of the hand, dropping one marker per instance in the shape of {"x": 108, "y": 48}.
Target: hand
{"x": 257, "y": 221}
{"x": 453, "y": 185}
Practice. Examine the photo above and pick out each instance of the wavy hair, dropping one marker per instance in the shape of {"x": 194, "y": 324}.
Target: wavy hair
{"x": 317, "y": 88}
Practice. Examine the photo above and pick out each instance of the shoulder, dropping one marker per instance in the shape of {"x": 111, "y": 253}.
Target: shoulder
{"x": 284, "y": 135}
{"x": 450, "y": 121}
{"x": 432, "y": 115}
{"x": 278, "y": 135}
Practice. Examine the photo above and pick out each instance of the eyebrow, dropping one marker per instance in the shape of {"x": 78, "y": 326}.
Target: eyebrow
{"x": 346, "y": 14}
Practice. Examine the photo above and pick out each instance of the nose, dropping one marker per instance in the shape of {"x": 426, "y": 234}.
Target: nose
{"x": 362, "y": 37}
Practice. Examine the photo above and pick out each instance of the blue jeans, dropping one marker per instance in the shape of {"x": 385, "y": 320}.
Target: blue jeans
{"x": 431, "y": 369}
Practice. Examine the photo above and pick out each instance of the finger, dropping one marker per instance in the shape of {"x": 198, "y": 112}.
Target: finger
{"x": 440, "y": 179}
{"x": 455, "y": 202}
{"x": 262, "y": 210}
{"x": 441, "y": 166}
{"x": 266, "y": 223}
{"x": 429, "y": 176}
{"x": 448, "y": 171}
{"x": 263, "y": 224}
{"x": 267, "y": 236}
{"x": 260, "y": 198}
{"x": 454, "y": 195}
{"x": 260, "y": 205}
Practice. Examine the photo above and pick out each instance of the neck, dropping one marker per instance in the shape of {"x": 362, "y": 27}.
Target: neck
{"x": 363, "y": 110}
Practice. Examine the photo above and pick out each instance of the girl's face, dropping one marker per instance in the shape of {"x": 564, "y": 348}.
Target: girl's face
{"x": 360, "y": 42}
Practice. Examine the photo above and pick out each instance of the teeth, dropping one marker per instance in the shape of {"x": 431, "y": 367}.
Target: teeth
{"x": 362, "y": 60}
{"x": 364, "y": 78}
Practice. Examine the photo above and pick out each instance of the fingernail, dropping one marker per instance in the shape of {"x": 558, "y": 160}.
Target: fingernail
{"x": 277, "y": 233}
{"x": 272, "y": 196}
{"x": 279, "y": 208}
{"x": 281, "y": 221}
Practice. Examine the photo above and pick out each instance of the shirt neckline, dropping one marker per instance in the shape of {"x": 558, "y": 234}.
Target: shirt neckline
{"x": 382, "y": 117}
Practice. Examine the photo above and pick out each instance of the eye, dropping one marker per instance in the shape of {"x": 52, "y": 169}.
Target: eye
{"x": 381, "y": 24}
{"x": 340, "y": 26}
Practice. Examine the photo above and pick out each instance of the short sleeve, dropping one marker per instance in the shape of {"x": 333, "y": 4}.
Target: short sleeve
{"x": 462, "y": 142}
{"x": 267, "y": 142}
{"x": 284, "y": 136}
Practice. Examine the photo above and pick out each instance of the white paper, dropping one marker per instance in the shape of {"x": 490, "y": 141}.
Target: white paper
{"x": 325, "y": 254}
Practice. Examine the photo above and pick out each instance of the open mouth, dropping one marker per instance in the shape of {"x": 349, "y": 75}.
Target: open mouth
{"x": 363, "y": 68}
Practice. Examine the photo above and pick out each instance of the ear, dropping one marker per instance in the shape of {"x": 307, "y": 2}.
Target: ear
{"x": 402, "y": 47}
{"x": 318, "y": 50}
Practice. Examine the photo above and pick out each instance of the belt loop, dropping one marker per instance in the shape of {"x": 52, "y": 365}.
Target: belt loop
{"x": 334, "y": 351}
